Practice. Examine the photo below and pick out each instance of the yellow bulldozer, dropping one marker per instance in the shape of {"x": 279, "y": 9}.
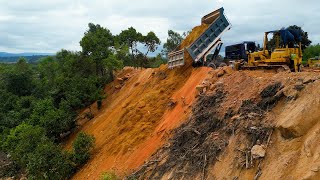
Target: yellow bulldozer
{"x": 284, "y": 55}
{"x": 314, "y": 62}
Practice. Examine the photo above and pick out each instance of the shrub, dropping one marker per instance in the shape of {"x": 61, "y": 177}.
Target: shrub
{"x": 82, "y": 146}
{"x": 109, "y": 176}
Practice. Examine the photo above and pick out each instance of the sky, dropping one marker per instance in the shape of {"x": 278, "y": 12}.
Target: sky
{"x": 51, "y": 25}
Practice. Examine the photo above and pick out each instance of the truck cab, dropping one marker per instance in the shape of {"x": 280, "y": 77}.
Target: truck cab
{"x": 240, "y": 51}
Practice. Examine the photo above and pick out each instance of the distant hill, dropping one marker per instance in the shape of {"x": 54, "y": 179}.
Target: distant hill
{"x": 14, "y": 57}
{"x": 5, "y": 54}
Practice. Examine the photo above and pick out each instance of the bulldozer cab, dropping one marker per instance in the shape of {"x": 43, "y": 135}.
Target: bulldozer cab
{"x": 284, "y": 38}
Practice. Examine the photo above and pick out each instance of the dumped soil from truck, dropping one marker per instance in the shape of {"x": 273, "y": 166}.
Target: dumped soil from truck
{"x": 194, "y": 34}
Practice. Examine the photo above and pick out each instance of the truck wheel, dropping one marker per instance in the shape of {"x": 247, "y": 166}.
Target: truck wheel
{"x": 212, "y": 65}
{"x": 222, "y": 64}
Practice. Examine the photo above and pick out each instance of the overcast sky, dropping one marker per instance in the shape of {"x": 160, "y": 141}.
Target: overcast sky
{"x": 48, "y": 26}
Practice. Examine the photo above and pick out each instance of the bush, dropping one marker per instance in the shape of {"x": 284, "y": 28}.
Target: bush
{"x": 22, "y": 141}
{"x": 82, "y": 146}
{"x": 109, "y": 176}
{"x": 30, "y": 149}
{"x": 49, "y": 161}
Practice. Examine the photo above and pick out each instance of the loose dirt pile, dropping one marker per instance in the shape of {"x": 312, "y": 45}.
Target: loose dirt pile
{"x": 227, "y": 138}
{"x": 194, "y": 35}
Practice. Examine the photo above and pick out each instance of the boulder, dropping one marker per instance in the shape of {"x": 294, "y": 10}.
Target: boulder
{"x": 220, "y": 72}
{"x": 258, "y": 151}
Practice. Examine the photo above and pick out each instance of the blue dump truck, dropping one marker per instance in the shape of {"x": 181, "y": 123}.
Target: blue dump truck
{"x": 240, "y": 50}
{"x": 207, "y": 42}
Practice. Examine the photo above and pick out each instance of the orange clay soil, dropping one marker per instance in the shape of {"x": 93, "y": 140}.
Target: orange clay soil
{"x": 135, "y": 120}
{"x": 194, "y": 35}
{"x": 136, "y": 116}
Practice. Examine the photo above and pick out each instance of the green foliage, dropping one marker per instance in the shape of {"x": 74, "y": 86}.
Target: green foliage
{"x": 109, "y": 176}
{"x": 173, "y": 41}
{"x": 22, "y": 141}
{"x": 96, "y": 44}
{"x": 39, "y": 102}
{"x": 31, "y": 149}
{"x": 19, "y": 79}
{"x": 155, "y": 62}
{"x": 131, "y": 38}
{"x": 305, "y": 42}
{"x": 82, "y": 146}
{"x": 311, "y": 52}
{"x": 54, "y": 120}
{"x": 151, "y": 42}
{"x": 48, "y": 161}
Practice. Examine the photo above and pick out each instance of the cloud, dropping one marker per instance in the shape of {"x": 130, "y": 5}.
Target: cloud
{"x": 48, "y": 26}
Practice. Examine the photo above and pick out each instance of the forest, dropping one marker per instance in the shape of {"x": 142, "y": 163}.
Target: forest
{"x": 40, "y": 102}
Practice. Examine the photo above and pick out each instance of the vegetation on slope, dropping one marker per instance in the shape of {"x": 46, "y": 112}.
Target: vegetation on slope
{"x": 40, "y": 102}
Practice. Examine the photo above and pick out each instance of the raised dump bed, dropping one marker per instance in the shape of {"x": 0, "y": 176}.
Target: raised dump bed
{"x": 206, "y": 42}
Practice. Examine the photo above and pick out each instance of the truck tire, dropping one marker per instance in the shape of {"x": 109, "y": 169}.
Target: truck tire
{"x": 222, "y": 64}
{"x": 212, "y": 65}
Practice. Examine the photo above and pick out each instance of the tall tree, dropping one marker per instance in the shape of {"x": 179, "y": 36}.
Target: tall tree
{"x": 151, "y": 42}
{"x": 173, "y": 41}
{"x": 131, "y": 38}
{"x": 19, "y": 79}
{"x": 96, "y": 44}
{"x": 305, "y": 41}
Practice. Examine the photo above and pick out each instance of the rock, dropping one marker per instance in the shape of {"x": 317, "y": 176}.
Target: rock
{"x": 290, "y": 93}
{"x": 127, "y": 76}
{"x": 204, "y": 90}
{"x": 258, "y": 151}
{"x": 172, "y": 103}
{"x": 299, "y": 87}
{"x": 253, "y": 115}
{"x": 120, "y": 79}
{"x": 220, "y": 73}
{"x": 118, "y": 87}
{"x": 199, "y": 88}
{"x": 212, "y": 87}
{"x": 315, "y": 169}
{"x": 308, "y": 80}
{"x": 236, "y": 117}
{"x": 227, "y": 69}
{"x": 205, "y": 82}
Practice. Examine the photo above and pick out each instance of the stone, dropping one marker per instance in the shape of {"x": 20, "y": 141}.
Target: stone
{"x": 308, "y": 80}
{"x": 212, "y": 87}
{"x": 200, "y": 88}
{"x": 258, "y": 151}
{"x": 118, "y": 87}
{"x": 220, "y": 73}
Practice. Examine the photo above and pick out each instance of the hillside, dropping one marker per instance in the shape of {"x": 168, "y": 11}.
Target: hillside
{"x": 200, "y": 123}
{"x": 149, "y": 121}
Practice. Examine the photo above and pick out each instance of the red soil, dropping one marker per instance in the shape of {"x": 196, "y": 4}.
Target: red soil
{"x": 135, "y": 120}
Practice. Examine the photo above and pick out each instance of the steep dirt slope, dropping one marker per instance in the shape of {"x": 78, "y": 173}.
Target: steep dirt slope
{"x": 141, "y": 108}
{"x": 136, "y": 116}
{"x": 276, "y": 112}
